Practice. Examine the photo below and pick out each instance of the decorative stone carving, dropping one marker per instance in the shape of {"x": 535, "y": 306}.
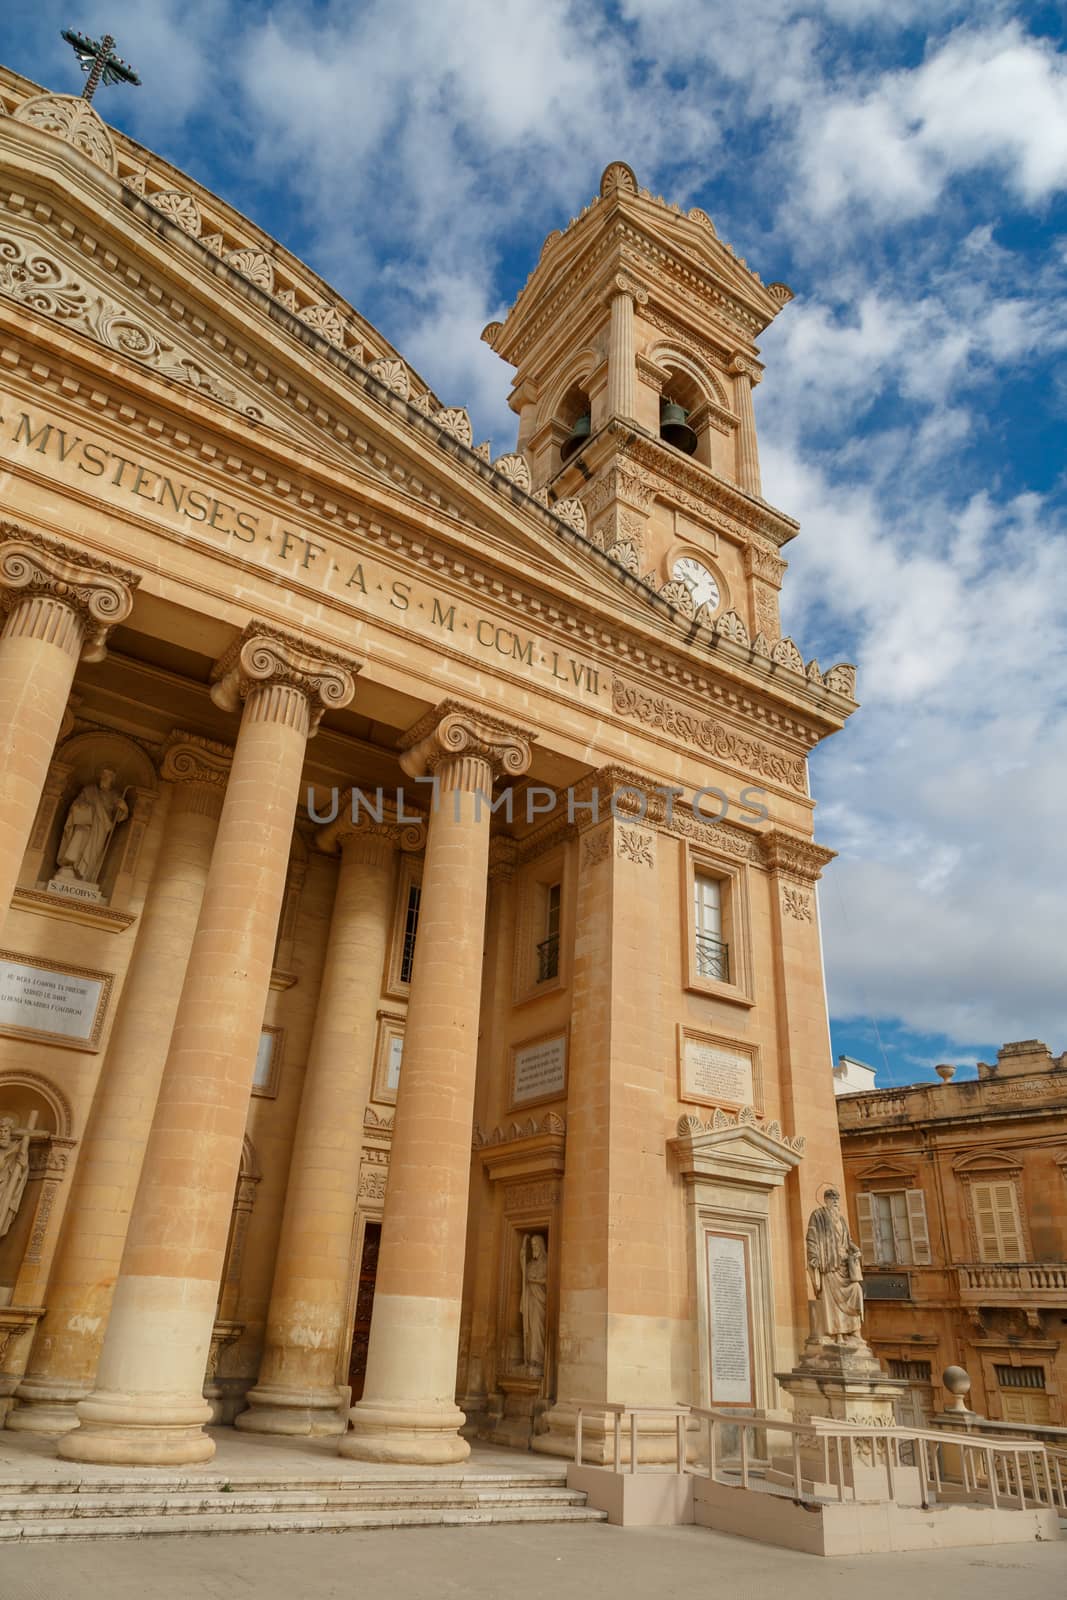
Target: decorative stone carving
{"x": 761, "y": 646}
{"x": 542, "y": 497}
{"x": 326, "y": 320}
{"x": 705, "y": 734}
{"x": 254, "y": 265}
{"x": 118, "y": 330}
{"x": 680, "y": 596}
{"x": 189, "y": 759}
{"x": 453, "y": 730}
{"x": 703, "y": 220}
{"x": 213, "y": 242}
{"x": 72, "y": 119}
{"x": 454, "y": 420}
{"x": 812, "y": 673}
{"x": 731, "y": 626}
{"x": 99, "y": 592}
{"x": 841, "y": 679}
{"x": 836, "y": 1271}
{"x": 515, "y": 468}
{"x": 796, "y": 904}
{"x": 617, "y": 175}
{"x": 763, "y": 563}
{"x": 766, "y": 607}
{"x": 265, "y": 655}
{"x": 393, "y": 374}
{"x": 94, "y": 815}
{"x": 491, "y": 333}
{"x": 425, "y": 403}
{"x": 799, "y": 858}
{"x": 484, "y": 451}
{"x": 37, "y": 282}
{"x": 550, "y": 1123}
{"x": 637, "y": 847}
{"x": 533, "y": 1299}
{"x": 626, "y": 554}
{"x": 786, "y": 654}
{"x": 286, "y": 298}
{"x": 596, "y": 848}
{"x": 180, "y": 208}
{"x": 14, "y": 1169}
{"x": 781, "y": 293}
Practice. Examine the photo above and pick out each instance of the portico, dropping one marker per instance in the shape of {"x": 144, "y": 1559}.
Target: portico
{"x": 463, "y": 873}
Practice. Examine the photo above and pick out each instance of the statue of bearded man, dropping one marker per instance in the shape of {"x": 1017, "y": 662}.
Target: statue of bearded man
{"x": 836, "y": 1271}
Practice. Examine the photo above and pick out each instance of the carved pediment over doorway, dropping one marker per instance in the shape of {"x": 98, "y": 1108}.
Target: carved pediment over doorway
{"x": 735, "y": 1150}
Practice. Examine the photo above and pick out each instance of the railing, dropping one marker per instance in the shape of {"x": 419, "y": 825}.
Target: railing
{"x": 1010, "y": 1473}
{"x": 1026, "y": 1278}
{"x": 548, "y": 958}
{"x": 713, "y": 958}
{"x": 679, "y": 1413}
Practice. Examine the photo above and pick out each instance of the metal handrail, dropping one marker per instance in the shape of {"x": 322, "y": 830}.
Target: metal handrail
{"x": 713, "y": 958}
{"x": 548, "y": 958}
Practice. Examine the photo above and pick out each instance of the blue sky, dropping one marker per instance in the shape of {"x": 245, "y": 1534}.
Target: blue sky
{"x": 902, "y": 165}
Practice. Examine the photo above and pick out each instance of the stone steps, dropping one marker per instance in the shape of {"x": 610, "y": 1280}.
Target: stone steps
{"x": 140, "y": 1508}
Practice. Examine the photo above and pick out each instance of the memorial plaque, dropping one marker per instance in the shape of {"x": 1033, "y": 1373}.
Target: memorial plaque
{"x": 728, "y": 1320}
{"x": 50, "y": 1004}
{"x": 393, "y": 1058}
{"x": 539, "y": 1071}
{"x": 715, "y": 1072}
{"x": 268, "y": 1062}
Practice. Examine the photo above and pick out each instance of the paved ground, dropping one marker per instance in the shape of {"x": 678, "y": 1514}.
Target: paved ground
{"x": 513, "y": 1563}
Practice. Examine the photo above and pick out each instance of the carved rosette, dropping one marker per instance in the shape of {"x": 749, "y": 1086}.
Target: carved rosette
{"x": 283, "y": 677}
{"x": 54, "y": 592}
{"x": 465, "y": 748}
{"x": 393, "y": 374}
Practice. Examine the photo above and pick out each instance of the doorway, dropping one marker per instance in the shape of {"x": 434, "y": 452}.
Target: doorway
{"x": 368, "y": 1271}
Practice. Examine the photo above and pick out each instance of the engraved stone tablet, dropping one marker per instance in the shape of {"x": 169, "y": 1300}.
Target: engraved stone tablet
{"x": 394, "y": 1056}
{"x": 715, "y": 1072}
{"x": 731, "y": 1353}
{"x": 40, "y": 1002}
{"x": 539, "y": 1070}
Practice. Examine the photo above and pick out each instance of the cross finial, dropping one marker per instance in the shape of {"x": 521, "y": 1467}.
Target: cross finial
{"x": 99, "y": 61}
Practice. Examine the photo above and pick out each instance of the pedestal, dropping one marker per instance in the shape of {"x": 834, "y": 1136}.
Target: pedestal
{"x": 520, "y": 1404}
{"x": 841, "y": 1382}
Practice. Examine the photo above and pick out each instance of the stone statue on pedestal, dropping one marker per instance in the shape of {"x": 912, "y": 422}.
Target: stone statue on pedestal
{"x": 533, "y": 1262}
{"x": 836, "y": 1272}
{"x": 93, "y": 817}
{"x": 14, "y": 1170}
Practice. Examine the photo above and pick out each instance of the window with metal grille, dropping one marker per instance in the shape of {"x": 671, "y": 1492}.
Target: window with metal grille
{"x": 548, "y": 949}
{"x": 913, "y": 1371}
{"x": 411, "y": 928}
{"x": 713, "y": 955}
{"x": 1020, "y": 1377}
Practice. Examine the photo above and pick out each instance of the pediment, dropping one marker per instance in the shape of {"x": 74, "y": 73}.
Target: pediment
{"x": 987, "y": 1161}
{"x": 735, "y": 1150}
{"x": 886, "y": 1172}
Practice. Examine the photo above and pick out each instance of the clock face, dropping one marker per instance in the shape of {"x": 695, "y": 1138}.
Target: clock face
{"x": 698, "y": 580}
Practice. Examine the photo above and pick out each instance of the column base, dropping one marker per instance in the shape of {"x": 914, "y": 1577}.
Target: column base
{"x": 303, "y": 1413}
{"x": 130, "y": 1431}
{"x": 46, "y": 1406}
{"x": 411, "y": 1435}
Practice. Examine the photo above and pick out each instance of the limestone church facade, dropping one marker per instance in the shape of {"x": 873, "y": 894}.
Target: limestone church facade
{"x": 411, "y": 1005}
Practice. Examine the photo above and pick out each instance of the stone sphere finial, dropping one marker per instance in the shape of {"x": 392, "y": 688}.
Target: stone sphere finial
{"x": 958, "y": 1383}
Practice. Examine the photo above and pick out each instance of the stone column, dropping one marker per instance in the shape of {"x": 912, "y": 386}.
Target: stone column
{"x": 408, "y": 1411}
{"x": 746, "y": 376}
{"x": 67, "y": 1348}
{"x": 148, "y": 1406}
{"x": 297, "y": 1391}
{"x": 622, "y": 360}
{"x": 60, "y": 604}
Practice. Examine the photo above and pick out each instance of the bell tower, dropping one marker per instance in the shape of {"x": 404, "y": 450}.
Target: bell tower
{"x": 633, "y": 344}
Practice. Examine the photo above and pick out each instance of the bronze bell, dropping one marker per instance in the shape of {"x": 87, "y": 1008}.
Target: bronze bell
{"x": 674, "y": 427}
{"x": 578, "y": 436}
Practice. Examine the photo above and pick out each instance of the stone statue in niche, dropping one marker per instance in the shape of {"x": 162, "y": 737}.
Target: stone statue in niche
{"x": 93, "y": 817}
{"x": 533, "y": 1264}
{"x": 836, "y": 1271}
{"x": 14, "y": 1169}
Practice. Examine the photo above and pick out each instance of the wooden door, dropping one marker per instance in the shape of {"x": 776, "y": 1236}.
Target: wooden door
{"x": 368, "y": 1271}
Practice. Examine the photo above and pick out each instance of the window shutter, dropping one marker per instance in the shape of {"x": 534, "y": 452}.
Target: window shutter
{"x": 865, "y": 1218}
{"x": 920, "y": 1233}
{"x": 996, "y": 1218}
{"x": 985, "y": 1221}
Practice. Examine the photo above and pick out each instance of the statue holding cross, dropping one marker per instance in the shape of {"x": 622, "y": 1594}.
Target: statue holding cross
{"x": 14, "y": 1165}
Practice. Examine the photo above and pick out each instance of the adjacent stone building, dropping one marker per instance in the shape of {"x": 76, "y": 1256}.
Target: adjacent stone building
{"x": 958, "y": 1195}
{"x": 411, "y": 992}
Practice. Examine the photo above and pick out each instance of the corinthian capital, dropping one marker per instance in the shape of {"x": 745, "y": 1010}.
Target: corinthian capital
{"x": 453, "y": 733}
{"x": 97, "y": 592}
{"x": 266, "y": 656}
